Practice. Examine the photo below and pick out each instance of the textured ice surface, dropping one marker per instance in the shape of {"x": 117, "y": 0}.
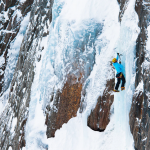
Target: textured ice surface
{"x": 85, "y": 31}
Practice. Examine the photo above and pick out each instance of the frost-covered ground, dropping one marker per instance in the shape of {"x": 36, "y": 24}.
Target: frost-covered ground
{"x": 70, "y": 19}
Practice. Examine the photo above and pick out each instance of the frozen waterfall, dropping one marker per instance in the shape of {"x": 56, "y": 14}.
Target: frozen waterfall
{"x": 93, "y": 25}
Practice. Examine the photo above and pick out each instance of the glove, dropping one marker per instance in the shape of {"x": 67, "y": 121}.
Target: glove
{"x": 119, "y": 62}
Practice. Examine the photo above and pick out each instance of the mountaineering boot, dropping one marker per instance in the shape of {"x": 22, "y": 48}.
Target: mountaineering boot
{"x": 116, "y": 90}
{"x": 122, "y": 88}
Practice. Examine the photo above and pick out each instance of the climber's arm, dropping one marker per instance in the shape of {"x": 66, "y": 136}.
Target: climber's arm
{"x": 117, "y": 56}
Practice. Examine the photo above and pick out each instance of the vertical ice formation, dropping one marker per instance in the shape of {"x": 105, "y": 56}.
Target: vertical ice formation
{"x": 71, "y": 38}
{"x": 128, "y": 34}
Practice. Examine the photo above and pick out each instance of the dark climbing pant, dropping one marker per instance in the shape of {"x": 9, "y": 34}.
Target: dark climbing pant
{"x": 119, "y": 79}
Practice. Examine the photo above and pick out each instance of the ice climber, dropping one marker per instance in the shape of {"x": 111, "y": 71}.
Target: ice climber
{"x": 119, "y": 75}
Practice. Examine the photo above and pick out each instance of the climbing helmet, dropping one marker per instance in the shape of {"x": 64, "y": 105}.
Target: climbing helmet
{"x": 114, "y": 60}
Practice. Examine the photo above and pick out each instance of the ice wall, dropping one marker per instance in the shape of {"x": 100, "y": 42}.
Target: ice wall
{"x": 126, "y": 45}
{"x": 87, "y": 32}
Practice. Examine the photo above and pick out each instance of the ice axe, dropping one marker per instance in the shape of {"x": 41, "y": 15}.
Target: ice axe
{"x": 119, "y": 57}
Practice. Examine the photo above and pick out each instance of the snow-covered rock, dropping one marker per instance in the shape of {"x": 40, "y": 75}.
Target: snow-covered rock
{"x": 57, "y": 79}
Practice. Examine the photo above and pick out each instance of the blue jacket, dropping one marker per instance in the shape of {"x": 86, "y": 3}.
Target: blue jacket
{"x": 118, "y": 67}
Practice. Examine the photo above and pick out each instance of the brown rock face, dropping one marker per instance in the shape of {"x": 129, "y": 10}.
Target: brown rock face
{"x": 140, "y": 112}
{"x": 99, "y": 117}
{"x": 65, "y": 106}
{"x": 136, "y": 116}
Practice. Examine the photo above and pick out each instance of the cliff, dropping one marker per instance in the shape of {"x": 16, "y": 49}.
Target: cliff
{"x": 60, "y": 59}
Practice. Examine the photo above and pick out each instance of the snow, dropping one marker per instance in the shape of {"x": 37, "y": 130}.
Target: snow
{"x": 139, "y": 88}
{"x": 35, "y": 125}
{"x": 14, "y": 122}
{"x": 7, "y": 31}
{"x": 3, "y": 100}
{"x": 10, "y": 148}
{"x": 75, "y": 135}
{"x": 1, "y": 106}
{"x": 13, "y": 54}
{"x": 2, "y": 61}
{"x": 22, "y": 1}
{"x": 72, "y": 19}
{"x": 146, "y": 63}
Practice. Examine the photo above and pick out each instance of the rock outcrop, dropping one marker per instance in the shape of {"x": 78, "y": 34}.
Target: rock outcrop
{"x": 140, "y": 113}
{"x": 10, "y": 26}
{"x": 66, "y": 104}
{"x": 67, "y": 100}
{"x": 14, "y": 117}
{"x": 100, "y": 116}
